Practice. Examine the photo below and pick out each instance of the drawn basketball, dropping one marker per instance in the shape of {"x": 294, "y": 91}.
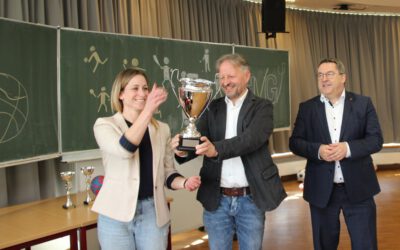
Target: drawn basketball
{"x": 14, "y": 107}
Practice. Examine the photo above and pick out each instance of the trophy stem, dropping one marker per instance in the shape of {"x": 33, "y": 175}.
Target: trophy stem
{"x": 191, "y": 131}
{"x": 69, "y": 203}
{"x": 88, "y": 198}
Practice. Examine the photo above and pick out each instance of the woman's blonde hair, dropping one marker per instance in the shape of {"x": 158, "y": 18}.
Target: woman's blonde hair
{"x": 121, "y": 80}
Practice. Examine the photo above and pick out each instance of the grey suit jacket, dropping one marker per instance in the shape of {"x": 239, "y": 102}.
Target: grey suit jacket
{"x": 254, "y": 128}
{"x": 360, "y": 129}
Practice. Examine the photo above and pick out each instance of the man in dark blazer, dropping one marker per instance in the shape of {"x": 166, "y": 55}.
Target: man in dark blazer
{"x": 239, "y": 181}
{"x": 337, "y": 132}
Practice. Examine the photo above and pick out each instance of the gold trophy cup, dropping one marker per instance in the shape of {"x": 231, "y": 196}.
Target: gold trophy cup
{"x": 87, "y": 172}
{"x": 67, "y": 178}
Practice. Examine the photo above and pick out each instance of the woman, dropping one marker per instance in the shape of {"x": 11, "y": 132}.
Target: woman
{"x": 138, "y": 162}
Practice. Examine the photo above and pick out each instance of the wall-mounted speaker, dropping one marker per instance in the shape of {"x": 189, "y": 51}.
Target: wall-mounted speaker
{"x": 273, "y": 16}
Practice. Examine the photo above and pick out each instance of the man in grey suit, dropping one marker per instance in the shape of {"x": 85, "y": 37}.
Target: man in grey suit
{"x": 239, "y": 181}
{"x": 337, "y": 131}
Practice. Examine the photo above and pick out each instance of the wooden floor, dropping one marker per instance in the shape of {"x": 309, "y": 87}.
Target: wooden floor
{"x": 289, "y": 228}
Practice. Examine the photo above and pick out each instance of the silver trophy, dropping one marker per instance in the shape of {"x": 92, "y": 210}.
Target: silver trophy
{"x": 194, "y": 96}
{"x": 67, "y": 178}
{"x": 87, "y": 172}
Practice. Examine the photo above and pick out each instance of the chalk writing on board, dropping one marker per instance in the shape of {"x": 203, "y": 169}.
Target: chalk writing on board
{"x": 271, "y": 85}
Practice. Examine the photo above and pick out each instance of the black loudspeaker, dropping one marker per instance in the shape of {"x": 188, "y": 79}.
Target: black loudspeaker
{"x": 273, "y": 16}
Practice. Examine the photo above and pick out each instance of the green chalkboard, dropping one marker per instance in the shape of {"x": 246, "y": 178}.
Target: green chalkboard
{"x": 90, "y": 61}
{"x": 28, "y": 90}
{"x": 270, "y": 79}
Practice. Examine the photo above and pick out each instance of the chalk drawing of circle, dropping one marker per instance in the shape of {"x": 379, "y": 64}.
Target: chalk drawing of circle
{"x": 135, "y": 62}
{"x": 14, "y": 107}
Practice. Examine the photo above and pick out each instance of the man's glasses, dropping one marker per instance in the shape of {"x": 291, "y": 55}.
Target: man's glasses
{"x": 329, "y": 75}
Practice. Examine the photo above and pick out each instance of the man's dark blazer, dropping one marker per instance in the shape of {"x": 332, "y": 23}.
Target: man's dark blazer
{"x": 254, "y": 128}
{"x": 360, "y": 129}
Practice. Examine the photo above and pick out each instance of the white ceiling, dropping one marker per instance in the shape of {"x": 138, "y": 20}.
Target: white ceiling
{"x": 392, "y": 6}
{"x": 359, "y": 6}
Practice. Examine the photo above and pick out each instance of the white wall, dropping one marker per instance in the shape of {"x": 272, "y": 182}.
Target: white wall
{"x": 292, "y": 164}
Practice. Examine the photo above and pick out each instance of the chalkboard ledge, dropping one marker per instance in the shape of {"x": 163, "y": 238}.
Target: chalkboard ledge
{"x": 84, "y": 155}
{"x": 29, "y": 160}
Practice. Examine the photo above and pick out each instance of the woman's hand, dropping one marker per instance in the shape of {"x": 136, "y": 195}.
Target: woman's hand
{"x": 192, "y": 183}
{"x": 156, "y": 97}
{"x": 174, "y": 144}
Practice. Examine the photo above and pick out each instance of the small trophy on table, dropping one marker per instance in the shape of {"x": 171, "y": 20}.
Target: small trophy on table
{"x": 67, "y": 177}
{"x": 87, "y": 172}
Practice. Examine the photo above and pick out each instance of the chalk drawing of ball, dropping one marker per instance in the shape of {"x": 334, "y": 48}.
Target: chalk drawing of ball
{"x": 14, "y": 107}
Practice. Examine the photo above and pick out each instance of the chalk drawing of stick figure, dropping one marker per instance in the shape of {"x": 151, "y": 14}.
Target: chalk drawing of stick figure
{"x": 103, "y": 96}
{"x": 165, "y": 68}
{"x": 96, "y": 57}
{"x": 206, "y": 60}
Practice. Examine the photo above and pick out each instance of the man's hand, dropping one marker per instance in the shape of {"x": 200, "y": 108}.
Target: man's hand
{"x": 333, "y": 152}
{"x": 206, "y": 148}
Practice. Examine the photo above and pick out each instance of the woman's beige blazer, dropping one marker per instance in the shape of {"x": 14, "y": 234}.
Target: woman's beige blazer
{"x": 118, "y": 196}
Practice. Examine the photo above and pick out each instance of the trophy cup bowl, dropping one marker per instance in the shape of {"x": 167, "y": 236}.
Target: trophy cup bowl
{"x": 87, "y": 172}
{"x": 67, "y": 178}
{"x": 194, "y": 96}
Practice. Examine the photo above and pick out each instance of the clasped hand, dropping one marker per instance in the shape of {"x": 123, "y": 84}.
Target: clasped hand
{"x": 333, "y": 152}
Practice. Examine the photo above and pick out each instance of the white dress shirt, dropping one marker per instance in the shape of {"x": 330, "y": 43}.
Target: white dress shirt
{"x": 233, "y": 174}
{"x": 334, "y": 116}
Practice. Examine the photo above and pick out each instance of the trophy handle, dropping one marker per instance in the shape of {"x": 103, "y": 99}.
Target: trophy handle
{"x": 171, "y": 83}
{"x": 217, "y": 86}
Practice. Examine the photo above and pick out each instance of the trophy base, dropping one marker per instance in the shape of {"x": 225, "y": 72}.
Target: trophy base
{"x": 68, "y": 206}
{"x": 88, "y": 199}
{"x": 86, "y": 203}
{"x": 188, "y": 144}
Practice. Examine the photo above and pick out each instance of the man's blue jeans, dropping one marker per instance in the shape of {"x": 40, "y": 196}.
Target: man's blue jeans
{"x": 140, "y": 233}
{"x": 235, "y": 214}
